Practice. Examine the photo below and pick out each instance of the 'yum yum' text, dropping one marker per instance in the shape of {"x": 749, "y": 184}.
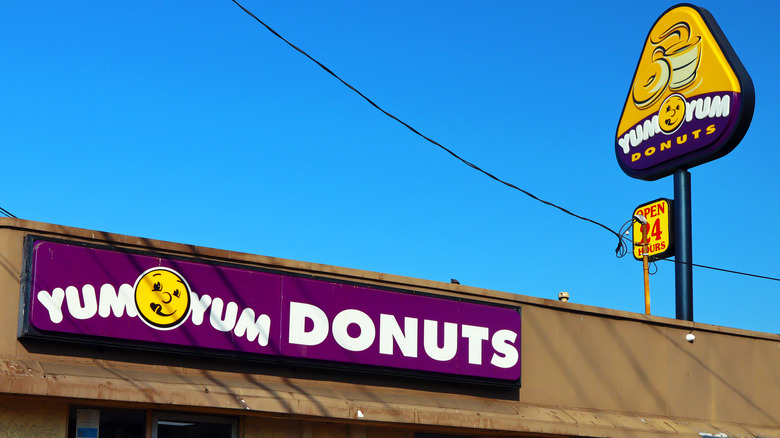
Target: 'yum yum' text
{"x": 701, "y": 108}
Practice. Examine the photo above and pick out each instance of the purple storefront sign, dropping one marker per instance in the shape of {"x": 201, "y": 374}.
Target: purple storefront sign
{"x": 78, "y": 291}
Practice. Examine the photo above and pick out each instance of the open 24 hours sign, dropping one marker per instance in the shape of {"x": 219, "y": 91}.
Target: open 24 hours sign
{"x": 660, "y": 242}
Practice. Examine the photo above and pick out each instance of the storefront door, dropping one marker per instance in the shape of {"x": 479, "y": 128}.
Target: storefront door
{"x": 174, "y": 425}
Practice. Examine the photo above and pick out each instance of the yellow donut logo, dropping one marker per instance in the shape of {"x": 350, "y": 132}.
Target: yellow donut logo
{"x": 162, "y": 298}
{"x": 675, "y": 58}
{"x": 672, "y": 113}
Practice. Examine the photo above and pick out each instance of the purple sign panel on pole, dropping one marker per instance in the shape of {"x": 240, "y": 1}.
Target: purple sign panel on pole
{"x": 119, "y": 296}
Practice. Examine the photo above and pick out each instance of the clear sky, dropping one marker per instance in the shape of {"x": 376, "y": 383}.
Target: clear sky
{"x": 189, "y": 122}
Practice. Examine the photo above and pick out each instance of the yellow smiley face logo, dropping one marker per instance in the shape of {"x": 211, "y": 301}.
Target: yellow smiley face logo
{"x": 162, "y": 298}
{"x": 672, "y": 113}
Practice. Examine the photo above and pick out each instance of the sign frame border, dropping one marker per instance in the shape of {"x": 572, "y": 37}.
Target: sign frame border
{"x": 741, "y": 121}
{"x": 332, "y": 369}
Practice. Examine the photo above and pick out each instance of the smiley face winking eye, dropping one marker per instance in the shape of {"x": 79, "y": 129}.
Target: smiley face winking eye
{"x": 672, "y": 113}
{"x": 162, "y": 298}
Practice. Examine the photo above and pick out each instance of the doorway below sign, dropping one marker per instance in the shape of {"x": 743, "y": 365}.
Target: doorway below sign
{"x": 176, "y": 425}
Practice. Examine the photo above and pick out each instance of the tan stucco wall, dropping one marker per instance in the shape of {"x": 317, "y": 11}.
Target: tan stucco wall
{"x": 586, "y": 371}
{"x": 255, "y": 427}
{"x": 631, "y": 366}
{"x": 22, "y": 417}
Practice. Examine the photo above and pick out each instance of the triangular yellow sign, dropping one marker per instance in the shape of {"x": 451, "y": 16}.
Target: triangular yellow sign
{"x": 691, "y": 100}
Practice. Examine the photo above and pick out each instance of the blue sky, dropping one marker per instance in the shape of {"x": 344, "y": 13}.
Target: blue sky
{"x": 189, "y": 122}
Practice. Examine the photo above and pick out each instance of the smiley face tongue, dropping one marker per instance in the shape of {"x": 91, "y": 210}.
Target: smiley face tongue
{"x": 157, "y": 308}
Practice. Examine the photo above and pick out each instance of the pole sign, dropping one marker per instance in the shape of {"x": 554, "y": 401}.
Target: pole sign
{"x": 690, "y": 101}
{"x": 659, "y": 234}
{"x": 105, "y": 295}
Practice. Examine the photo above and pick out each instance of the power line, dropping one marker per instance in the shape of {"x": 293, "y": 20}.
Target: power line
{"x": 725, "y": 270}
{"x": 7, "y": 213}
{"x": 620, "y": 247}
{"x": 626, "y": 228}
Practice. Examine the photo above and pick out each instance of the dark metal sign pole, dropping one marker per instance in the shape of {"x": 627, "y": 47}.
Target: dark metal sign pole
{"x": 683, "y": 252}
{"x": 727, "y": 115}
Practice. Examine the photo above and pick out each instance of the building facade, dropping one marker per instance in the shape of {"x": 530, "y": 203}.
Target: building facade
{"x": 93, "y": 344}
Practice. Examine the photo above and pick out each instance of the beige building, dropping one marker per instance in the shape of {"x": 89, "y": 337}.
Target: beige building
{"x": 585, "y": 371}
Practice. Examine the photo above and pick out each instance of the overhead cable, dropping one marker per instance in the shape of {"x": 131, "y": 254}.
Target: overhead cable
{"x": 626, "y": 228}
{"x": 7, "y": 213}
{"x": 724, "y": 270}
{"x": 620, "y": 247}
